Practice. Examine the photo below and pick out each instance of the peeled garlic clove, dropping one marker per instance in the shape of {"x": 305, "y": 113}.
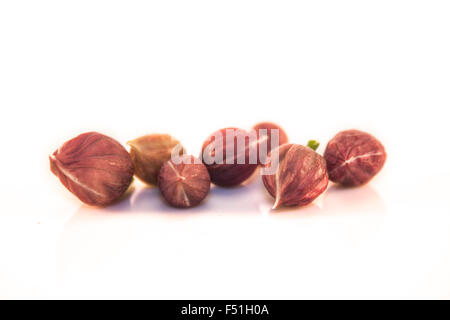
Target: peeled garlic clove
{"x": 300, "y": 175}
{"x": 184, "y": 184}
{"x": 265, "y": 133}
{"x": 230, "y": 171}
{"x": 94, "y": 167}
{"x": 354, "y": 157}
{"x": 149, "y": 152}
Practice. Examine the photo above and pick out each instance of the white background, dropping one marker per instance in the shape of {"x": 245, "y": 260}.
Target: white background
{"x": 127, "y": 68}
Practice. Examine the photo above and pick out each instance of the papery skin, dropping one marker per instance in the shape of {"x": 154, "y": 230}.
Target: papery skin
{"x": 94, "y": 167}
{"x": 300, "y": 178}
{"x": 225, "y": 174}
{"x": 185, "y": 184}
{"x": 354, "y": 157}
{"x": 149, "y": 152}
{"x": 269, "y": 126}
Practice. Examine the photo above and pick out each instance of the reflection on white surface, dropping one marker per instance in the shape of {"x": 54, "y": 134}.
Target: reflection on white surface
{"x": 167, "y": 247}
{"x": 348, "y": 243}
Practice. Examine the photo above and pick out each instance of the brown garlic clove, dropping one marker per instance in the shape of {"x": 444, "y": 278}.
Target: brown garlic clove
{"x": 148, "y": 154}
{"x": 184, "y": 184}
{"x": 265, "y": 139}
{"x": 94, "y": 167}
{"x": 241, "y": 167}
{"x": 354, "y": 157}
{"x": 300, "y": 175}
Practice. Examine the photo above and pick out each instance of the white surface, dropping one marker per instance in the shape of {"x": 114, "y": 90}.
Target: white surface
{"x": 188, "y": 68}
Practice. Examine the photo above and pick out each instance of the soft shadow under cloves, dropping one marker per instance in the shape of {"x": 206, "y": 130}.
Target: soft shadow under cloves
{"x": 148, "y": 200}
{"x": 357, "y": 200}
